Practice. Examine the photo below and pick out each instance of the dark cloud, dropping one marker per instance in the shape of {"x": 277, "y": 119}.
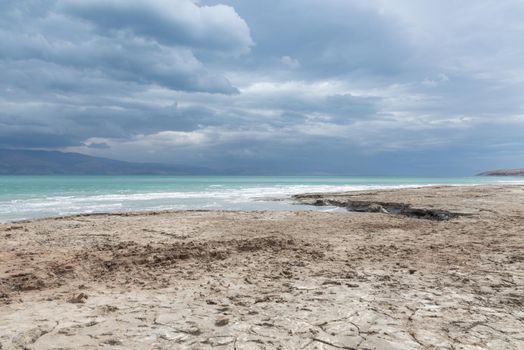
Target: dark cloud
{"x": 326, "y": 38}
{"x": 180, "y": 22}
{"x": 35, "y": 138}
{"x": 54, "y": 36}
{"x": 340, "y": 86}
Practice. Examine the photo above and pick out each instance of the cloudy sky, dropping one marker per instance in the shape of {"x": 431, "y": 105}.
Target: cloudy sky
{"x": 379, "y": 87}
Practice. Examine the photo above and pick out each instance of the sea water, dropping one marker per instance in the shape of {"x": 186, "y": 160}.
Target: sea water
{"x": 30, "y": 197}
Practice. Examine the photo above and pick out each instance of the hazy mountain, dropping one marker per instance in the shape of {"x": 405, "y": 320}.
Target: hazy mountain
{"x": 26, "y": 162}
{"x": 503, "y": 172}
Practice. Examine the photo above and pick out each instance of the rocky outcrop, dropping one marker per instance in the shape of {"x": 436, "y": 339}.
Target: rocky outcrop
{"x": 379, "y": 207}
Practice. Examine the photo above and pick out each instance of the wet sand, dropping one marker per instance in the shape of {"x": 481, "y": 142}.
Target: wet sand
{"x": 428, "y": 268}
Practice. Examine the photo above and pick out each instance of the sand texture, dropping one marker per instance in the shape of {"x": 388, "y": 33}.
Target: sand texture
{"x": 429, "y": 268}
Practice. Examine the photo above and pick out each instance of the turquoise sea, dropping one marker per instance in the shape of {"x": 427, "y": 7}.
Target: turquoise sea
{"x": 28, "y": 197}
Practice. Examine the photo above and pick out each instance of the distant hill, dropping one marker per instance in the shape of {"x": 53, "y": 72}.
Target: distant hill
{"x": 26, "y": 162}
{"x": 503, "y": 172}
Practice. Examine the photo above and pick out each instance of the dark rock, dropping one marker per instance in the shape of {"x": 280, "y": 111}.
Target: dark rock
{"x": 78, "y": 299}
{"x": 221, "y": 321}
{"x": 503, "y": 172}
{"x": 376, "y": 208}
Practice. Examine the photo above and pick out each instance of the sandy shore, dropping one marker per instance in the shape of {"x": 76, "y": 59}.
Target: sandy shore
{"x": 429, "y": 268}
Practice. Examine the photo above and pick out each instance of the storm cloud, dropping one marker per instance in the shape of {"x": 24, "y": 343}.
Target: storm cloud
{"x": 310, "y": 86}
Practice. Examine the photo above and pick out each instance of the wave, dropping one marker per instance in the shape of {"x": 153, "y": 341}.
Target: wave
{"x": 244, "y": 193}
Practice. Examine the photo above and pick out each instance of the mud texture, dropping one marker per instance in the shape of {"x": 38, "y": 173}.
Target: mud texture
{"x": 273, "y": 280}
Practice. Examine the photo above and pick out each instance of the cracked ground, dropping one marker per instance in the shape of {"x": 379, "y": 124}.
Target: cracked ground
{"x": 271, "y": 280}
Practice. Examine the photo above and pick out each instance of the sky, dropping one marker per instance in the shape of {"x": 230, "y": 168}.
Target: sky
{"x": 348, "y": 87}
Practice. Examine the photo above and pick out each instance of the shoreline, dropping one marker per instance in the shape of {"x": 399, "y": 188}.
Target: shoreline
{"x": 198, "y": 279}
{"x": 294, "y": 199}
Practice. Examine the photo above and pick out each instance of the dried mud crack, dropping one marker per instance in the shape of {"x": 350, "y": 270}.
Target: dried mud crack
{"x": 269, "y": 280}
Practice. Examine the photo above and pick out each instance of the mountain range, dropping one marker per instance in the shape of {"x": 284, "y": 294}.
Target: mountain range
{"x": 37, "y": 162}
{"x": 31, "y": 162}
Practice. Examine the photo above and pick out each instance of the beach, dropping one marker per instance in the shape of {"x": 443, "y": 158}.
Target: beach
{"x": 437, "y": 267}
